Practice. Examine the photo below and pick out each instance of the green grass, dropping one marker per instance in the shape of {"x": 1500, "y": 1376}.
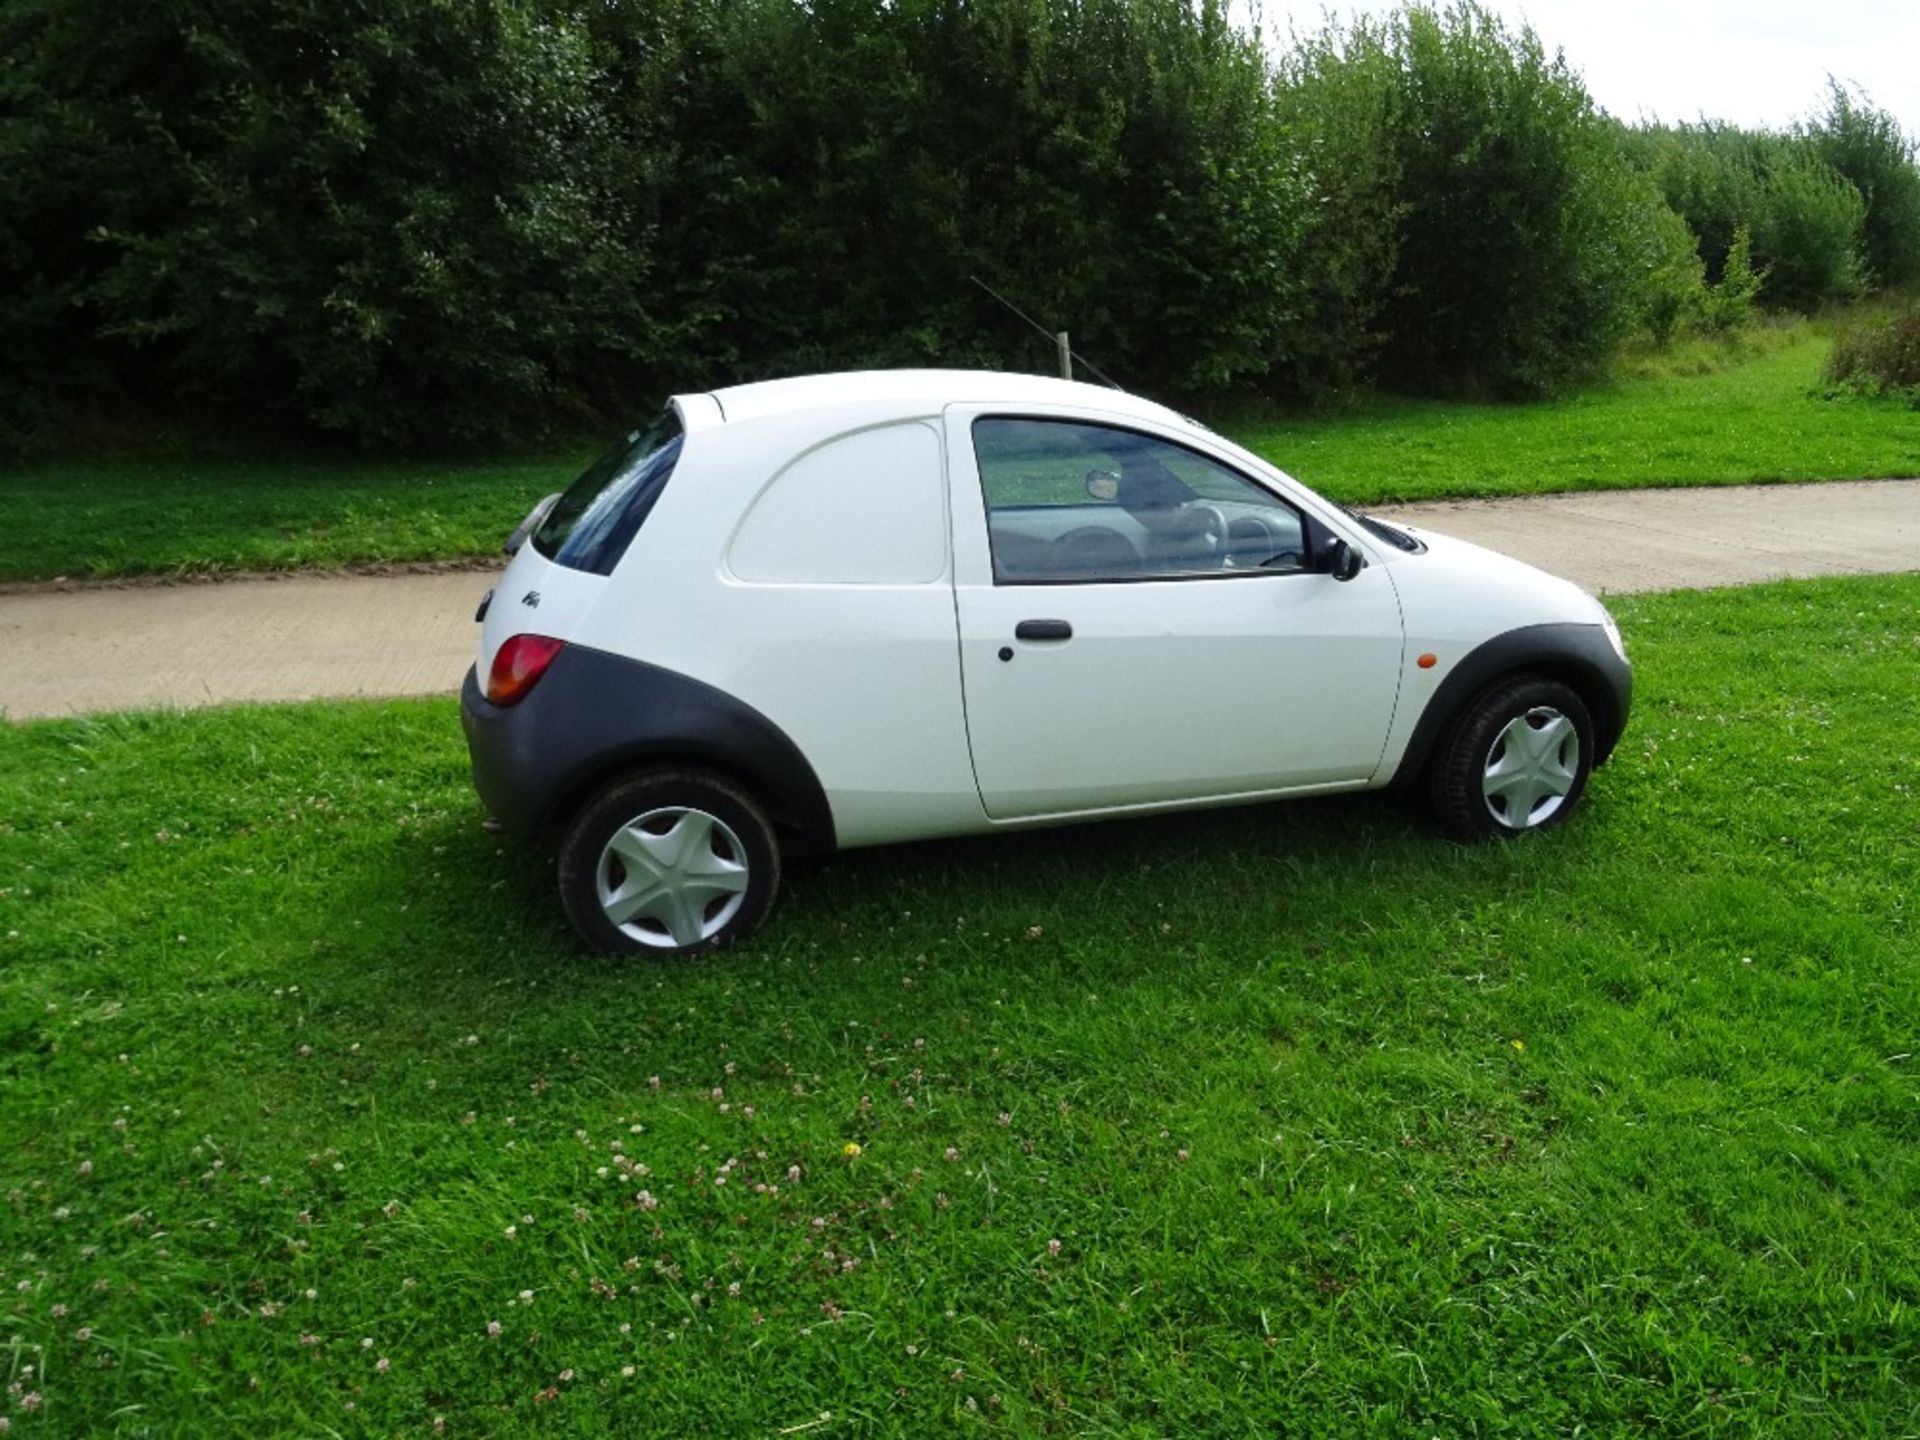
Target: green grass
{"x": 1763, "y": 418}
{"x": 1341, "y": 1129}
{"x": 131, "y": 516}
{"x": 1695, "y": 415}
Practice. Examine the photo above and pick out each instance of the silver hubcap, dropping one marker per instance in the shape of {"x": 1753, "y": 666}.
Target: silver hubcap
{"x": 673, "y": 877}
{"x": 1531, "y": 767}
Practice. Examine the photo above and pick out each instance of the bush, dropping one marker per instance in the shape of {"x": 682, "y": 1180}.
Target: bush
{"x": 1883, "y": 357}
{"x": 1807, "y": 232}
{"x": 419, "y": 222}
{"x": 1674, "y": 292}
{"x": 1112, "y": 167}
{"x": 1868, "y": 146}
{"x": 416, "y": 222}
{"x": 1803, "y": 217}
{"x": 1337, "y": 102}
{"x": 1523, "y": 245}
{"x": 1727, "y": 305}
{"x": 410, "y": 221}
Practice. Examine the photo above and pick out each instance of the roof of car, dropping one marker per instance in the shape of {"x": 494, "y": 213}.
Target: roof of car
{"x": 932, "y": 389}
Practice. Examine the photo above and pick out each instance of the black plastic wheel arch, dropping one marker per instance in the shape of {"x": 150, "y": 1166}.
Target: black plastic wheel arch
{"x": 595, "y": 714}
{"x": 1579, "y": 656}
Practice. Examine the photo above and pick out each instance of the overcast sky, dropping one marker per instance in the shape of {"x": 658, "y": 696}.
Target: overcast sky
{"x": 1754, "y": 62}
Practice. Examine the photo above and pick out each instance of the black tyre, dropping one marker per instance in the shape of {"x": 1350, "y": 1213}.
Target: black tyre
{"x": 668, "y": 862}
{"x": 1515, "y": 760}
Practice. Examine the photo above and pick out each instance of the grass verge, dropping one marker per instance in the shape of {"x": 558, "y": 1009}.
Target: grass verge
{"x": 1287, "y": 1120}
{"x": 106, "y": 518}
{"x": 1688, "y": 417}
{"x": 1765, "y": 417}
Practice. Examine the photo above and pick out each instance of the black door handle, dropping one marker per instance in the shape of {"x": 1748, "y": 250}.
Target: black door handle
{"x": 1043, "y": 630}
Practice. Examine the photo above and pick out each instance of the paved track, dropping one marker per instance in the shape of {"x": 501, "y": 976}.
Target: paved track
{"x": 297, "y": 638}
{"x": 1615, "y": 541}
{"x": 79, "y": 650}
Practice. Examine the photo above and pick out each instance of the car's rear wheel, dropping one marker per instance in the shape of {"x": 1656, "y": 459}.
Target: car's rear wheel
{"x": 668, "y": 862}
{"x": 1516, "y": 759}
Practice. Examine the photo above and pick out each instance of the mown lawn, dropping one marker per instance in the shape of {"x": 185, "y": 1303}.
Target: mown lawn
{"x": 1764, "y": 418}
{"x": 158, "y": 516}
{"x": 1292, "y": 1120}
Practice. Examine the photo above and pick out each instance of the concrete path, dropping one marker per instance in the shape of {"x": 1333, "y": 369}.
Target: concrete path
{"x": 69, "y": 652}
{"x": 294, "y": 638}
{"x": 1614, "y": 541}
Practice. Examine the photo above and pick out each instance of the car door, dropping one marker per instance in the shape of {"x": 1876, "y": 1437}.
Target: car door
{"x": 1140, "y": 623}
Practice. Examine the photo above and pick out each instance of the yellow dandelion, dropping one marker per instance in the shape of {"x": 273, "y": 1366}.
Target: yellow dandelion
{"x": 851, "y": 1150}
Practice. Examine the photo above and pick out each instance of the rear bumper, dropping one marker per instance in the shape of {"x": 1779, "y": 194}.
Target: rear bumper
{"x": 506, "y": 769}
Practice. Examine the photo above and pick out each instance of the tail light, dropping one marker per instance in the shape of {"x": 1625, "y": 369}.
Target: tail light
{"x": 518, "y": 665}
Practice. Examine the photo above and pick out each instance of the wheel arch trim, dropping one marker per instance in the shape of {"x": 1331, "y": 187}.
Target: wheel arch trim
{"x": 596, "y": 715}
{"x": 1578, "y": 656}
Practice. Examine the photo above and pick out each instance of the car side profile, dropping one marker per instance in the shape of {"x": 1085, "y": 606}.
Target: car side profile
{"x": 847, "y": 610}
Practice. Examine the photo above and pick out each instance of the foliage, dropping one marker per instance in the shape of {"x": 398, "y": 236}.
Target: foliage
{"x": 421, "y": 223}
{"x": 1803, "y": 216}
{"x": 1867, "y": 145}
{"x": 1674, "y": 291}
{"x": 429, "y": 222}
{"x": 1337, "y": 103}
{"x": 1522, "y": 241}
{"x": 1808, "y": 232}
{"x": 407, "y": 219}
{"x": 1882, "y": 357}
{"x": 1727, "y": 305}
{"x": 1109, "y": 162}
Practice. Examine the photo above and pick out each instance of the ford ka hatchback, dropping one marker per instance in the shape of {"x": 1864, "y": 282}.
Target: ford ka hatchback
{"x": 847, "y": 610}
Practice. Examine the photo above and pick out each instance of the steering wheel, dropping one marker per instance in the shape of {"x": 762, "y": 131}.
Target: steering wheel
{"x": 1255, "y": 543}
{"x": 1206, "y": 526}
{"x": 1091, "y": 550}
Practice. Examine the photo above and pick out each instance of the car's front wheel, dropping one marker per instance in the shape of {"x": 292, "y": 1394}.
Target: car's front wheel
{"x": 1516, "y": 759}
{"x": 668, "y": 862}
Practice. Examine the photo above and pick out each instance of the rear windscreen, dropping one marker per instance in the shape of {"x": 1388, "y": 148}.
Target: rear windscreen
{"x": 590, "y": 526}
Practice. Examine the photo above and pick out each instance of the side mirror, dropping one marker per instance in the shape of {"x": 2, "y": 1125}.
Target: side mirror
{"x": 1342, "y": 561}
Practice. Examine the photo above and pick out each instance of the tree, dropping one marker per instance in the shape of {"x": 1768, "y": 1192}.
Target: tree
{"x": 1868, "y": 147}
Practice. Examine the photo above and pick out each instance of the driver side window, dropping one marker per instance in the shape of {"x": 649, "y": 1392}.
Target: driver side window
{"x": 1068, "y": 502}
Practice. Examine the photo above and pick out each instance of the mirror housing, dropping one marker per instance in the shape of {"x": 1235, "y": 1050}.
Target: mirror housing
{"x": 1341, "y": 560}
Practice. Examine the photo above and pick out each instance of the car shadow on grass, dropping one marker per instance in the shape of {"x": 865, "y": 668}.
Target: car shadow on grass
{"x": 464, "y": 926}
{"x": 1267, "y": 874}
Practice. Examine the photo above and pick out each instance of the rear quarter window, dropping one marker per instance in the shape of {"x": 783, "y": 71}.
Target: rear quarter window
{"x": 593, "y": 522}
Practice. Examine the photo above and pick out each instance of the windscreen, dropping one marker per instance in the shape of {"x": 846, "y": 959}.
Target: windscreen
{"x": 591, "y": 525}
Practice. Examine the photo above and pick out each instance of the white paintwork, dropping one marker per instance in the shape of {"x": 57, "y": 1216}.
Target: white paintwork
{"x": 1170, "y": 693}
{"x": 861, "y": 677}
{"x": 1236, "y": 683}
{"x": 797, "y": 531}
{"x": 924, "y": 392}
{"x": 1457, "y": 595}
{"x": 534, "y": 596}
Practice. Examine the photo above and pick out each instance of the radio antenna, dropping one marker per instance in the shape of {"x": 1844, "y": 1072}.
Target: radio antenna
{"x": 1051, "y": 336}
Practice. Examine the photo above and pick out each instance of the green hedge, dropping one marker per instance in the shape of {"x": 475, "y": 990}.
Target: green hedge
{"x": 1804, "y": 217}
{"x": 434, "y": 222}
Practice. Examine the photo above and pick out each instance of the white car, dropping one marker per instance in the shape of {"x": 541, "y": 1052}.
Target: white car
{"x": 852, "y": 609}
